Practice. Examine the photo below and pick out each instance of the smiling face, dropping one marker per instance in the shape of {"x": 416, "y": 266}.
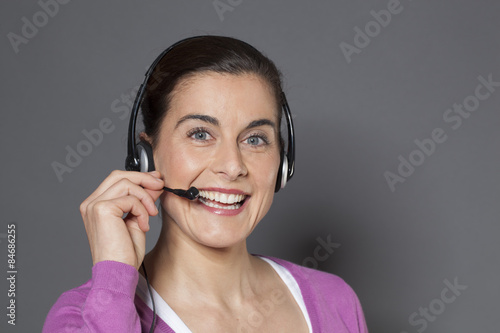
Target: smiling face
{"x": 221, "y": 135}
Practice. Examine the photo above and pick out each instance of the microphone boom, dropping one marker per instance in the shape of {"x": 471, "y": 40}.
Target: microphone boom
{"x": 192, "y": 193}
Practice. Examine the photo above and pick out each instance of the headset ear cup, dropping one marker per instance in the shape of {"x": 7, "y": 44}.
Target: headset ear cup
{"x": 146, "y": 159}
{"x": 284, "y": 171}
{"x": 282, "y": 177}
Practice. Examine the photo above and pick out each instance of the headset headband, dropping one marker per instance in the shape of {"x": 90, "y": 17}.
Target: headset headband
{"x": 132, "y": 162}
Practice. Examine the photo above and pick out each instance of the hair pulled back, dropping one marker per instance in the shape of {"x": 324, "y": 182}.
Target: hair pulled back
{"x": 202, "y": 54}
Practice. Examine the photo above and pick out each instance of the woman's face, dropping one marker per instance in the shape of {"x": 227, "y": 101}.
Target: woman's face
{"x": 220, "y": 135}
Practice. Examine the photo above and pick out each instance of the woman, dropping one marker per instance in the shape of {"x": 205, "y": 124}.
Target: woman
{"x": 212, "y": 112}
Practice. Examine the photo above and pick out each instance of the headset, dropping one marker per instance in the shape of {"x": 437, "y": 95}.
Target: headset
{"x": 140, "y": 155}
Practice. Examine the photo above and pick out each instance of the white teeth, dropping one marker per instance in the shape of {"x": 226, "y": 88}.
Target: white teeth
{"x": 214, "y": 205}
{"x": 222, "y": 197}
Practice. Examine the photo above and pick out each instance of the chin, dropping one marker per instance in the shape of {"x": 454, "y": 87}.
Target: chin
{"x": 211, "y": 229}
{"x": 220, "y": 237}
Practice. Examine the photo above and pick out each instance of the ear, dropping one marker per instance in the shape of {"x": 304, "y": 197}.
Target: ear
{"x": 144, "y": 137}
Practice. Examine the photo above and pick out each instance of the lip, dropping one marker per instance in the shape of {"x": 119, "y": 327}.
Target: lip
{"x": 221, "y": 211}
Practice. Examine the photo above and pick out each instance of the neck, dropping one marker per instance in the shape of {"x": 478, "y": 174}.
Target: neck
{"x": 180, "y": 268}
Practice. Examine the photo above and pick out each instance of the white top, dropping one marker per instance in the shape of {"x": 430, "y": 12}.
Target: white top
{"x": 165, "y": 312}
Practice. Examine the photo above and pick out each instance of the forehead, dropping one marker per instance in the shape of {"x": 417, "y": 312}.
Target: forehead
{"x": 225, "y": 96}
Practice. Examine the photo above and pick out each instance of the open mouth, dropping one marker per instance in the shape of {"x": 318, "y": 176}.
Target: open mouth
{"x": 220, "y": 200}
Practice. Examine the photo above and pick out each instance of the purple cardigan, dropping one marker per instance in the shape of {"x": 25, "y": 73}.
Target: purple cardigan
{"x": 108, "y": 303}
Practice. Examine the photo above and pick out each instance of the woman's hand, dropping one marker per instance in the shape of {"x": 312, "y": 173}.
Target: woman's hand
{"x": 113, "y": 236}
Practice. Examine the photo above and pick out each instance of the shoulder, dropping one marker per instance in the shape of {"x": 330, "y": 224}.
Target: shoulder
{"x": 330, "y": 301}
{"x": 314, "y": 278}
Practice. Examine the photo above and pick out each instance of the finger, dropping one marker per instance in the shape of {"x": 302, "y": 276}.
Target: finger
{"x": 149, "y": 180}
{"x": 116, "y": 207}
{"x": 145, "y": 179}
{"x": 125, "y": 187}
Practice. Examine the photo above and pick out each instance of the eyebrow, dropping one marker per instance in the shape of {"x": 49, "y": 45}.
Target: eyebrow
{"x": 261, "y": 122}
{"x": 215, "y": 121}
{"x": 205, "y": 118}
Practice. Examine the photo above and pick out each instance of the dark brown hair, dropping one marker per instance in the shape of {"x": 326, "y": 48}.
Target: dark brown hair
{"x": 223, "y": 55}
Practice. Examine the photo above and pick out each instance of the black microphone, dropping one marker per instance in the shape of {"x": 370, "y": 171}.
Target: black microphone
{"x": 192, "y": 193}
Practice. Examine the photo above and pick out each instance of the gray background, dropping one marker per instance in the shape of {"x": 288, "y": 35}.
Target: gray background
{"x": 353, "y": 119}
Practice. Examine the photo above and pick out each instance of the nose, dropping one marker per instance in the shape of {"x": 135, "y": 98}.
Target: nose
{"x": 228, "y": 162}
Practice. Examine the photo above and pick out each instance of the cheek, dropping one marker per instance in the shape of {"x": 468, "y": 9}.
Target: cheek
{"x": 179, "y": 167}
{"x": 265, "y": 170}
{"x": 265, "y": 175}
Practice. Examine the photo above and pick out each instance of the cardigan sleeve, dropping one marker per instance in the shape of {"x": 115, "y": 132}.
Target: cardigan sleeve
{"x": 103, "y": 304}
{"x": 360, "y": 317}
